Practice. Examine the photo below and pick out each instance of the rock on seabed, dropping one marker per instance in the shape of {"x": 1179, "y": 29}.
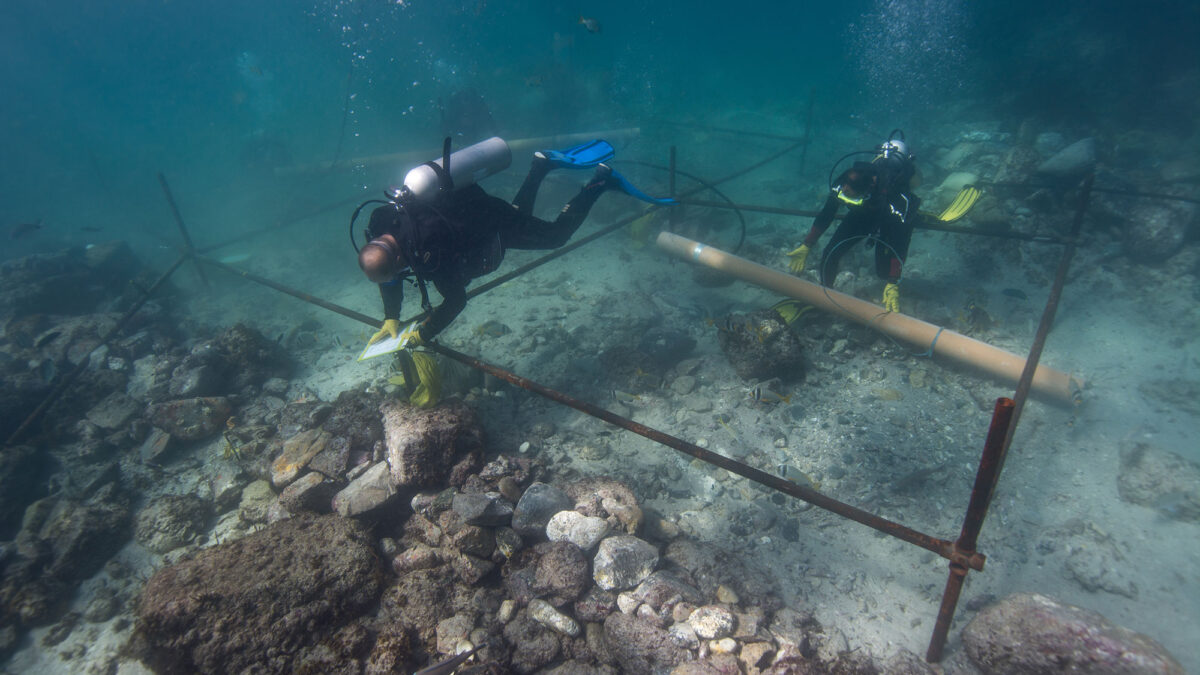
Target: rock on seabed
{"x": 1031, "y": 633}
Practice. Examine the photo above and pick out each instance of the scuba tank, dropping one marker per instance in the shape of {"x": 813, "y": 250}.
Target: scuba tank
{"x": 454, "y": 170}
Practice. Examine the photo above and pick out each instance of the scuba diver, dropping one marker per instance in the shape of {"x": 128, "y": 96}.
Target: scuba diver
{"x": 440, "y": 227}
{"x": 882, "y": 210}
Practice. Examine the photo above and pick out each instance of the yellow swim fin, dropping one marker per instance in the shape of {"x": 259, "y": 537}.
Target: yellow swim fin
{"x": 429, "y": 376}
{"x": 790, "y": 310}
{"x": 961, "y": 205}
{"x": 640, "y": 229}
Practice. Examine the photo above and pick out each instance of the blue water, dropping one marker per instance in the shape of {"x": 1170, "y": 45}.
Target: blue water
{"x": 97, "y": 97}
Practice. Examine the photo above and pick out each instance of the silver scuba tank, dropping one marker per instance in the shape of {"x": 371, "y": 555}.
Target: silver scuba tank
{"x": 466, "y": 167}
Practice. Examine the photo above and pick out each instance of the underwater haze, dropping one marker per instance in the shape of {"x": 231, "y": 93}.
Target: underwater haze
{"x": 269, "y": 121}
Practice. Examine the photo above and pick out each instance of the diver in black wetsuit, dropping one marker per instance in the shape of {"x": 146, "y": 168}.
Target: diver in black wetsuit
{"x": 458, "y": 236}
{"x": 882, "y": 210}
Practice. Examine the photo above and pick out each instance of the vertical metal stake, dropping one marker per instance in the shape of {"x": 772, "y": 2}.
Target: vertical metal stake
{"x": 183, "y": 232}
{"x": 990, "y": 463}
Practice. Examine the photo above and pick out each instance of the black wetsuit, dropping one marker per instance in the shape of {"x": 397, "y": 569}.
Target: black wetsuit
{"x": 463, "y": 234}
{"x": 888, "y": 214}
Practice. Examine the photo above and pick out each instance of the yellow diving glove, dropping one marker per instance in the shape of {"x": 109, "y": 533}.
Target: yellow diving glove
{"x": 391, "y": 328}
{"x": 411, "y": 337}
{"x": 891, "y": 297}
{"x": 798, "y": 258}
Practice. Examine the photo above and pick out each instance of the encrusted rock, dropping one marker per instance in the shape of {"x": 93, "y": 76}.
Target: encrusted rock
{"x": 545, "y": 614}
{"x": 533, "y": 645}
{"x": 171, "y": 521}
{"x": 623, "y": 562}
{"x": 256, "y": 498}
{"x": 311, "y": 492}
{"x": 368, "y": 493}
{"x": 114, "y": 412}
{"x": 488, "y": 509}
{"x": 640, "y": 646}
{"x": 1031, "y": 633}
{"x": 535, "y": 508}
{"x": 418, "y": 557}
{"x": 667, "y": 588}
{"x": 583, "y": 531}
{"x": 422, "y": 443}
{"x": 759, "y": 346}
{"x": 712, "y": 622}
{"x": 254, "y": 603}
{"x": 191, "y": 419}
{"x": 595, "y": 605}
{"x": 452, "y": 631}
{"x": 554, "y": 571}
{"x": 298, "y": 451}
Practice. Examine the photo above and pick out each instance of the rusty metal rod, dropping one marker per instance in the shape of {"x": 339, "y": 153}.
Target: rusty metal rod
{"x": 70, "y": 377}
{"x": 923, "y": 223}
{"x": 941, "y": 547}
{"x": 183, "y": 231}
{"x": 295, "y": 293}
{"x": 981, "y": 497}
{"x": 283, "y": 222}
{"x": 1047, "y": 321}
{"x": 1004, "y": 424}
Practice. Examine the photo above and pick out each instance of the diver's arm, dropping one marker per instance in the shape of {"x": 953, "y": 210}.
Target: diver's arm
{"x": 393, "y": 298}
{"x": 823, "y": 219}
{"x": 454, "y": 299}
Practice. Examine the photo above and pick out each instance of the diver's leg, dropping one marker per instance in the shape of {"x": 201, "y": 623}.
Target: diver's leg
{"x": 538, "y": 169}
{"x": 535, "y": 233}
{"x": 838, "y": 246}
{"x": 892, "y": 249}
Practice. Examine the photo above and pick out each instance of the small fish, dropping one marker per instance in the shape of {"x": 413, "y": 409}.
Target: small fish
{"x": 447, "y": 666}
{"x": 90, "y": 228}
{"x": 24, "y": 229}
{"x": 762, "y": 395}
{"x": 625, "y": 397}
{"x": 1015, "y": 293}
{"x": 590, "y": 23}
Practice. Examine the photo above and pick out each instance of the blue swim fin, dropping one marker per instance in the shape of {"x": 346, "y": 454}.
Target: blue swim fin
{"x": 582, "y": 156}
{"x": 621, "y": 183}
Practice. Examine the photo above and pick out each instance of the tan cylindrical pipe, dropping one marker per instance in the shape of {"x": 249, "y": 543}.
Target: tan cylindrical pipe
{"x": 1059, "y": 386}
{"x": 413, "y": 157}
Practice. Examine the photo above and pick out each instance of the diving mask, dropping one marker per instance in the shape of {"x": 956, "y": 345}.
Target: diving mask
{"x": 846, "y": 198}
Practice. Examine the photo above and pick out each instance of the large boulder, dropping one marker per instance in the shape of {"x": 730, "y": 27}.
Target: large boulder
{"x": 62, "y": 542}
{"x": 255, "y": 603}
{"x": 422, "y": 443}
{"x": 1031, "y": 633}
